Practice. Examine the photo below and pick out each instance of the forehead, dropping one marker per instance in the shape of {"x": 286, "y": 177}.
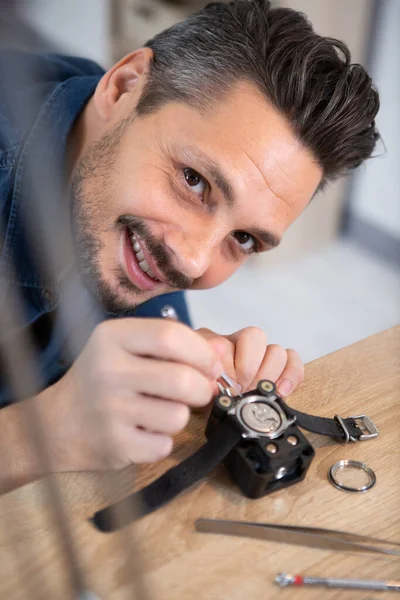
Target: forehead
{"x": 252, "y": 142}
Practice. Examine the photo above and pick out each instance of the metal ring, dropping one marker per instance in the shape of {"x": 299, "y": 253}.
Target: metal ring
{"x": 351, "y": 464}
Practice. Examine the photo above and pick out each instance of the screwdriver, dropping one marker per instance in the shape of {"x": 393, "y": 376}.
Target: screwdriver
{"x": 284, "y": 579}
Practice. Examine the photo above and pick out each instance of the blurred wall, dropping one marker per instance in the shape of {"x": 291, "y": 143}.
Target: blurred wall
{"x": 137, "y": 21}
{"x": 80, "y": 27}
{"x": 375, "y": 197}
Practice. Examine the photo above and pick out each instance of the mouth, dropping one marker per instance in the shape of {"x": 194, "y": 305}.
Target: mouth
{"x": 140, "y": 267}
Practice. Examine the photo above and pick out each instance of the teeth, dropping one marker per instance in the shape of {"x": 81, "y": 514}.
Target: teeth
{"x": 144, "y": 265}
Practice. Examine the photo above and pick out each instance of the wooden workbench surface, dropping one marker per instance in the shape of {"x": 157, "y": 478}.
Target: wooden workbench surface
{"x": 174, "y": 561}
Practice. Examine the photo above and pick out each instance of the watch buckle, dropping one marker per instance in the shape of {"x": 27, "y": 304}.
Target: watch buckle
{"x": 367, "y": 426}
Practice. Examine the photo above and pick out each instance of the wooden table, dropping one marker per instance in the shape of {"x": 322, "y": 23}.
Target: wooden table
{"x": 176, "y": 562}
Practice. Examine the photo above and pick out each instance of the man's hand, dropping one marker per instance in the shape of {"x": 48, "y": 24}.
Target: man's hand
{"x": 247, "y": 358}
{"x": 127, "y": 394}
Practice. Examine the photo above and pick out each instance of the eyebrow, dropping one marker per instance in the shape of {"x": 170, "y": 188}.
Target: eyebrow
{"x": 215, "y": 172}
{"x": 267, "y": 237}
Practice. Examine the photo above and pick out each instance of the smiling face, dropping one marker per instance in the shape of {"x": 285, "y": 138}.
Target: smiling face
{"x": 184, "y": 195}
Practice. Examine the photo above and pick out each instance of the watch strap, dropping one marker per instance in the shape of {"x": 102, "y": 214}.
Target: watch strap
{"x": 343, "y": 429}
{"x": 172, "y": 483}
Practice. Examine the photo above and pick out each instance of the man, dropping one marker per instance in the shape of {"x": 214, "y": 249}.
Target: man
{"x": 183, "y": 160}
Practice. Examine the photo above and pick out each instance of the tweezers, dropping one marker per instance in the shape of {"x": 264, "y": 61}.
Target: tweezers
{"x": 314, "y": 537}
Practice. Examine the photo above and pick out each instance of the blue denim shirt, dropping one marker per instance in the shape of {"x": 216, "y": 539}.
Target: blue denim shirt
{"x": 42, "y": 94}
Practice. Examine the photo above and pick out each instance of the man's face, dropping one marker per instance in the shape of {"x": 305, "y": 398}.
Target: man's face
{"x": 179, "y": 199}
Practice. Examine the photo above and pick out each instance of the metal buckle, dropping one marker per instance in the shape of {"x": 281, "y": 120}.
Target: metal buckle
{"x": 367, "y": 425}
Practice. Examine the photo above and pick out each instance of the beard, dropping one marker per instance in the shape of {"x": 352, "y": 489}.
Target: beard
{"x": 89, "y": 209}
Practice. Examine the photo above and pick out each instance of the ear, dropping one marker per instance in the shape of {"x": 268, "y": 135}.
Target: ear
{"x": 126, "y": 77}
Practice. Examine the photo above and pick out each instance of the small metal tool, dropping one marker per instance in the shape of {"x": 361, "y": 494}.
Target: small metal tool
{"x": 284, "y": 580}
{"x": 228, "y": 386}
{"x": 326, "y": 539}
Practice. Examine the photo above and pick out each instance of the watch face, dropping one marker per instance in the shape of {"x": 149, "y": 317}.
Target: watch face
{"x": 261, "y": 417}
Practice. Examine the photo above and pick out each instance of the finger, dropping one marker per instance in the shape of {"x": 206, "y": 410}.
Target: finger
{"x": 250, "y": 346}
{"x": 224, "y": 348}
{"x": 170, "y": 381}
{"x": 292, "y": 375}
{"x": 272, "y": 366}
{"x": 163, "y": 339}
{"x": 139, "y": 446}
{"x": 160, "y": 416}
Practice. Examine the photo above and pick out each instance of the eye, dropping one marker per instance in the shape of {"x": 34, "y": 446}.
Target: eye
{"x": 246, "y": 241}
{"x": 195, "y": 181}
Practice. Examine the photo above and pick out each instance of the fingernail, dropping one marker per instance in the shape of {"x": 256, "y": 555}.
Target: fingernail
{"x": 217, "y": 370}
{"x": 285, "y": 387}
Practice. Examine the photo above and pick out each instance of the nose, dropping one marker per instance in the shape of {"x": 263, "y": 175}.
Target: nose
{"x": 191, "y": 251}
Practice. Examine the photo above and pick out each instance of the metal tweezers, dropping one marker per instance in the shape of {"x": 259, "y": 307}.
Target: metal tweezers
{"x": 326, "y": 539}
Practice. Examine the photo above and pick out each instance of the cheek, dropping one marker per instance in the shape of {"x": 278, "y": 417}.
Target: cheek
{"x": 144, "y": 192}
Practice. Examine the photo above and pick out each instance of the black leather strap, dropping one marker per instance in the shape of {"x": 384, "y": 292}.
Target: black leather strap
{"x": 172, "y": 483}
{"x": 323, "y": 425}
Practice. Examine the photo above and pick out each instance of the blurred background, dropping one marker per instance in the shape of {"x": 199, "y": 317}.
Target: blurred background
{"x": 335, "y": 279}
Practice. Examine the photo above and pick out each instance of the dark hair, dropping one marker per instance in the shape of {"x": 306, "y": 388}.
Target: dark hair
{"x": 330, "y": 103}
